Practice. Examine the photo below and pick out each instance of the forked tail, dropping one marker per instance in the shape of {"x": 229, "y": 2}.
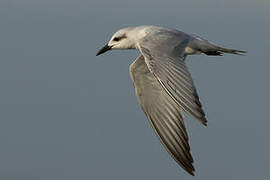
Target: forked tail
{"x": 211, "y": 49}
{"x": 218, "y": 51}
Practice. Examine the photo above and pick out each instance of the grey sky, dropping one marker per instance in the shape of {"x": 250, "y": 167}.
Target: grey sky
{"x": 66, "y": 114}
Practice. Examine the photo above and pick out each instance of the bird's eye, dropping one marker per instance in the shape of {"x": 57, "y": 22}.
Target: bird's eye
{"x": 116, "y": 39}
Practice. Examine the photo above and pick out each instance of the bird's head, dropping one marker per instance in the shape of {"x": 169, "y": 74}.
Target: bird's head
{"x": 124, "y": 39}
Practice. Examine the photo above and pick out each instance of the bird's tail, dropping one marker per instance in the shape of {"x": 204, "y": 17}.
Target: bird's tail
{"x": 211, "y": 49}
{"x": 218, "y": 51}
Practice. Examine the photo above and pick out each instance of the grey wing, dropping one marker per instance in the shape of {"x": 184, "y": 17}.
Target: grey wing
{"x": 164, "y": 56}
{"x": 163, "y": 113}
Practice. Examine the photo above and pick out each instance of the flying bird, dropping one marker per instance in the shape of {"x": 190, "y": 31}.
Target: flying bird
{"x": 163, "y": 84}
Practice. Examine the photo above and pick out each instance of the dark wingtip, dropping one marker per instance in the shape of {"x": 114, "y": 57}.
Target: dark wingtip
{"x": 190, "y": 169}
{"x": 203, "y": 120}
{"x": 192, "y": 173}
{"x": 213, "y": 53}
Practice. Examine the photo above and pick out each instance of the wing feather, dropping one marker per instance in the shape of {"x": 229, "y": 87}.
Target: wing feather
{"x": 168, "y": 66}
{"x": 163, "y": 113}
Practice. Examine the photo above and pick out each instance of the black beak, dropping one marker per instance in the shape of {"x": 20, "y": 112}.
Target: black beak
{"x": 104, "y": 49}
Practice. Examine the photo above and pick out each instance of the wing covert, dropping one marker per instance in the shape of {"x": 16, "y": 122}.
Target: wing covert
{"x": 164, "y": 56}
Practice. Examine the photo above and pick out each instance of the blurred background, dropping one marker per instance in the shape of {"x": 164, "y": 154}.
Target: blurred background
{"x": 67, "y": 114}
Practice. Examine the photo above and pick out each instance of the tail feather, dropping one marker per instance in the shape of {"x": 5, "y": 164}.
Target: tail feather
{"x": 211, "y": 49}
{"x": 230, "y": 51}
